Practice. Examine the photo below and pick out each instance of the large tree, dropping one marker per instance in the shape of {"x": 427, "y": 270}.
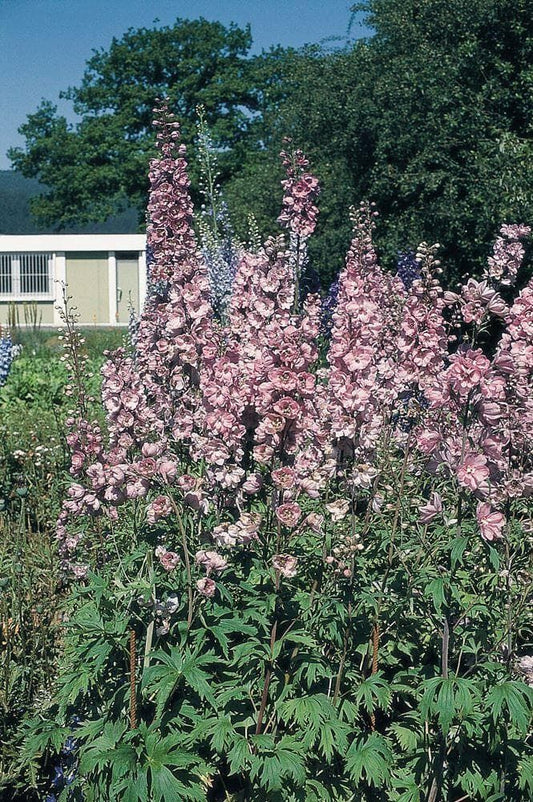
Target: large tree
{"x": 99, "y": 164}
{"x": 445, "y": 98}
{"x": 431, "y": 118}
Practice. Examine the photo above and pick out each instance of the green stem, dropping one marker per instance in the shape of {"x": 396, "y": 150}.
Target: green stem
{"x": 187, "y": 561}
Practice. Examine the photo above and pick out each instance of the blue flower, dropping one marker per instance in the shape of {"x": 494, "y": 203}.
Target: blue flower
{"x": 221, "y": 256}
{"x": 329, "y": 304}
{"x": 408, "y": 269}
{"x": 70, "y": 745}
{"x": 6, "y": 358}
{"x": 59, "y": 777}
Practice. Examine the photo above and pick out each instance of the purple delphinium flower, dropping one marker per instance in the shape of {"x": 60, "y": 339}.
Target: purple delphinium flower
{"x": 221, "y": 256}
{"x": 328, "y": 307}
{"x": 6, "y": 358}
{"x": 408, "y": 269}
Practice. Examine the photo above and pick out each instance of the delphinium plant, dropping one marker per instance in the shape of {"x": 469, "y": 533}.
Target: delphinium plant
{"x": 7, "y": 352}
{"x": 218, "y": 244}
{"x": 296, "y": 579}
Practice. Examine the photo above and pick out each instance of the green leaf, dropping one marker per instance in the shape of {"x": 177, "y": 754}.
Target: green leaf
{"x": 171, "y": 670}
{"x": 516, "y": 698}
{"x": 239, "y": 755}
{"x": 435, "y": 590}
{"x": 458, "y": 546}
{"x": 407, "y": 738}
{"x": 371, "y": 759}
{"x": 223, "y": 733}
{"x": 165, "y": 786}
{"x": 448, "y": 699}
{"x": 525, "y": 774}
{"x": 373, "y": 693}
{"x": 275, "y": 762}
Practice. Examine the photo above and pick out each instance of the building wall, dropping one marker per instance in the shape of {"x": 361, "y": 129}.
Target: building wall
{"x": 88, "y": 284}
{"x": 127, "y": 286}
{"x": 104, "y": 274}
{"x": 28, "y": 312}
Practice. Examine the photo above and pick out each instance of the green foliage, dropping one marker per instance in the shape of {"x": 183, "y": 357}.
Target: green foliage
{"x": 33, "y": 471}
{"x": 333, "y": 728}
{"x": 430, "y": 117}
{"x": 97, "y": 167}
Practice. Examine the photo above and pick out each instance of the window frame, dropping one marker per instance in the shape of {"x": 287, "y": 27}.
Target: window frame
{"x": 15, "y": 261}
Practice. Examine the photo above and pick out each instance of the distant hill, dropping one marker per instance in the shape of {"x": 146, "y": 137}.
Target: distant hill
{"x": 15, "y": 217}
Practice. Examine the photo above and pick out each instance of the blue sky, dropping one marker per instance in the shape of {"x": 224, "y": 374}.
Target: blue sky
{"x": 44, "y": 44}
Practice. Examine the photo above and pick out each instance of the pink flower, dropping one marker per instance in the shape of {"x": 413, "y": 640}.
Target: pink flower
{"x": 284, "y": 478}
{"x": 287, "y": 407}
{"x": 206, "y": 587}
{"x": 431, "y": 509}
{"x": 491, "y": 523}
{"x": 338, "y": 509}
{"x": 186, "y": 483}
{"x": 466, "y": 371}
{"x": 285, "y": 564}
{"x": 168, "y": 559}
{"x": 211, "y": 561}
{"x": 289, "y": 514}
{"x": 159, "y": 508}
{"x": 167, "y": 469}
{"x": 196, "y": 500}
{"x": 80, "y": 571}
{"x": 473, "y": 471}
{"x": 315, "y": 522}
{"x": 253, "y": 484}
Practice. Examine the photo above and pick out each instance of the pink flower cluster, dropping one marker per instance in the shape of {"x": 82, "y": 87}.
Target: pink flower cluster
{"x": 299, "y": 212}
{"x": 507, "y": 255}
{"x": 362, "y": 380}
{"x": 210, "y": 414}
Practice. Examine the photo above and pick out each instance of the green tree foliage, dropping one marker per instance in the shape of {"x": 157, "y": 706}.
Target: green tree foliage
{"x": 452, "y": 96}
{"x": 98, "y": 165}
{"x": 430, "y": 118}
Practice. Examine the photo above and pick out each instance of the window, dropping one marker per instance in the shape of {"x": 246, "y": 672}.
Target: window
{"x": 26, "y": 275}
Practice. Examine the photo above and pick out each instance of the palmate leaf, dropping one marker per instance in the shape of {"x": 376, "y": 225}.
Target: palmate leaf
{"x": 370, "y": 758}
{"x": 307, "y": 710}
{"x": 173, "y": 670}
{"x": 311, "y": 668}
{"x": 103, "y": 751}
{"x": 239, "y": 755}
{"x": 348, "y": 711}
{"x": 406, "y": 789}
{"x": 134, "y": 788}
{"x": 227, "y": 629}
{"x": 525, "y": 774}
{"x": 274, "y": 762}
{"x": 332, "y": 739}
{"x": 374, "y": 692}
{"x": 406, "y": 737}
{"x": 223, "y": 733}
{"x": 516, "y": 698}
{"x": 448, "y": 698}
{"x": 252, "y": 648}
{"x": 478, "y": 783}
{"x": 320, "y": 724}
{"x": 43, "y": 735}
{"x": 165, "y": 786}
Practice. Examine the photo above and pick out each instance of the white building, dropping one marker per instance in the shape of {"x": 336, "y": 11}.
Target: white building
{"x": 104, "y": 274}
